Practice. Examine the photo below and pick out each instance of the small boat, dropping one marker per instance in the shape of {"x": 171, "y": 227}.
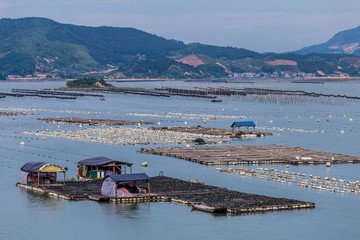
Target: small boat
{"x": 216, "y": 100}
{"x": 102, "y": 99}
{"x": 205, "y": 208}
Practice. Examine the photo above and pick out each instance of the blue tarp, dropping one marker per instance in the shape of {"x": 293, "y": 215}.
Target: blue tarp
{"x": 243, "y": 124}
{"x": 129, "y": 177}
{"x": 32, "y": 167}
{"x": 99, "y": 161}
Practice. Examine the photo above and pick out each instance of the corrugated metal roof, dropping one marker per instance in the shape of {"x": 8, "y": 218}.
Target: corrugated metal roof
{"x": 98, "y": 161}
{"x": 33, "y": 167}
{"x": 130, "y": 177}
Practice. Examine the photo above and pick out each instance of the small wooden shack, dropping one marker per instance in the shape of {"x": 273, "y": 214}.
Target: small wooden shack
{"x": 125, "y": 185}
{"x": 247, "y": 124}
{"x": 40, "y": 173}
{"x": 100, "y": 167}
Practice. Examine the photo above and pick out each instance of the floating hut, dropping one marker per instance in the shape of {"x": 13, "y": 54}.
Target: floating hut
{"x": 247, "y": 124}
{"x": 40, "y": 173}
{"x": 124, "y": 185}
{"x": 100, "y": 167}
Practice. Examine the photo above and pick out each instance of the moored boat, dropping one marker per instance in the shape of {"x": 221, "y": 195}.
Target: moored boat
{"x": 206, "y": 208}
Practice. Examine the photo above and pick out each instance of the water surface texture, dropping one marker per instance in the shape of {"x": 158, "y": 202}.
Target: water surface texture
{"x": 25, "y": 215}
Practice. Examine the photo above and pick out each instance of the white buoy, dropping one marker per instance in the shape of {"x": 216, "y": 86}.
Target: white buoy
{"x": 342, "y": 132}
{"x": 22, "y": 143}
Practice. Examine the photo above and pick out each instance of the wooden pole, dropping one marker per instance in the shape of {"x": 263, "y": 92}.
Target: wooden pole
{"x": 38, "y": 183}
{"x": 116, "y": 187}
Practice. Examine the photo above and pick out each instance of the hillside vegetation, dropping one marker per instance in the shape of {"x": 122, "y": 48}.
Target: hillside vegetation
{"x": 40, "y": 46}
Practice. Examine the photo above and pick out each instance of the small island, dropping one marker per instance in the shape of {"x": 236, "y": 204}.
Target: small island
{"x": 88, "y": 82}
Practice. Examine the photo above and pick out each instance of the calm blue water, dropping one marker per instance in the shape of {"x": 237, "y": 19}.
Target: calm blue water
{"x": 25, "y": 215}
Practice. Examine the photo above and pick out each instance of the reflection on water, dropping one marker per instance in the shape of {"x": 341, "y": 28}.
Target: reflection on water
{"x": 25, "y": 214}
{"x": 124, "y": 210}
{"x": 38, "y": 200}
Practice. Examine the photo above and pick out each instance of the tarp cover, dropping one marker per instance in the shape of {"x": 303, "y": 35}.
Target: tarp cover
{"x": 243, "y": 124}
{"x": 130, "y": 177}
{"x": 32, "y": 167}
{"x": 98, "y": 161}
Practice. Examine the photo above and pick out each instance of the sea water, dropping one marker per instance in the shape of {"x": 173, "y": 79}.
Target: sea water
{"x": 27, "y": 215}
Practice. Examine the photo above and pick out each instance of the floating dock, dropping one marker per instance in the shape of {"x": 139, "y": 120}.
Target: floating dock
{"x": 224, "y": 133}
{"x": 269, "y": 154}
{"x": 16, "y": 113}
{"x": 94, "y": 121}
{"x": 177, "y": 191}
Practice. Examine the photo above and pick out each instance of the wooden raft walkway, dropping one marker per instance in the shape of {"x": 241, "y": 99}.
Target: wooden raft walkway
{"x": 94, "y": 121}
{"x": 225, "y": 133}
{"x": 269, "y": 154}
{"x": 177, "y": 191}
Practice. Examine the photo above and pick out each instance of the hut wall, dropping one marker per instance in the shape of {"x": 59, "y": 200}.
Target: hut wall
{"x": 24, "y": 177}
{"x": 123, "y": 192}
{"x": 108, "y": 188}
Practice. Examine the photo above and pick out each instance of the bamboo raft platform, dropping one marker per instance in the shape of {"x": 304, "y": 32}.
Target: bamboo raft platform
{"x": 211, "y": 92}
{"x": 225, "y": 133}
{"x": 178, "y": 191}
{"x": 53, "y": 92}
{"x": 237, "y": 155}
{"x": 16, "y": 113}
{"x": 94, "y": 121}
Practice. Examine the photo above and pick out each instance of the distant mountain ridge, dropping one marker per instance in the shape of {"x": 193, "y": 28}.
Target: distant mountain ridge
{"x": 41, "y": 47}
{"x": 344, "y": 42}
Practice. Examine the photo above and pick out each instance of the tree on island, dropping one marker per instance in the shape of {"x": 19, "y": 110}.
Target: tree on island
{"x": 88, "y": 82}
{"x": 2, "y": 76}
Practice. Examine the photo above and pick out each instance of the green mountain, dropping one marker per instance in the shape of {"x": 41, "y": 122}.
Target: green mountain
{"x": 43, "y": 47}
{"x": 345, "y": 42}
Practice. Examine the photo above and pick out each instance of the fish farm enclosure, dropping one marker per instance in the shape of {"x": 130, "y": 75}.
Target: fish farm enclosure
{"x": 271, "y": 154}
{"x": 179, "y": 191}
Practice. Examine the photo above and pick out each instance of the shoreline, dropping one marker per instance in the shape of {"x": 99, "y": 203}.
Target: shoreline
{"x": 220, "y": 80}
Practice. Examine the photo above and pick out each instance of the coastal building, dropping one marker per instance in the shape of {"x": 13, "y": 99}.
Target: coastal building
{"x": 100, "y": 167}
{"x": 125, "y": 185}
{"x": 40, "y": 173}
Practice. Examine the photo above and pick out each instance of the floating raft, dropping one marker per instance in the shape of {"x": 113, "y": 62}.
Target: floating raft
{"x": 185, "y": 192}
{"x": 224, "y": 133}
{"x": 269, "y": 154}
{"x": 177, "y": 191}
{"x": 16, "y": 113}
{"x": 94, "y": 121}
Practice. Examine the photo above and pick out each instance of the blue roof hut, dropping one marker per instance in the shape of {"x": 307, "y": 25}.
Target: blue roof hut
{"x": 100, "y": 167}
{"x": 124, "y": 185}
{"x": 40, "y": 173}
{"x": 247, "y": 124}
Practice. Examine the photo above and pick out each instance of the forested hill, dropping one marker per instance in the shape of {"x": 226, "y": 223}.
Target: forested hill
{"x": 344, "y": 42}
{"x": 43, "y": 47}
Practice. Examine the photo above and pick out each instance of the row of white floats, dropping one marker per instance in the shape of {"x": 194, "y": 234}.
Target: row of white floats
{"x": 301, "y": 179}
{"x": 124, "y": 136}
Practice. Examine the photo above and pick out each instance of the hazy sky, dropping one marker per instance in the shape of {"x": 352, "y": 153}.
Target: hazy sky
{"x": 260, "y": 25}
